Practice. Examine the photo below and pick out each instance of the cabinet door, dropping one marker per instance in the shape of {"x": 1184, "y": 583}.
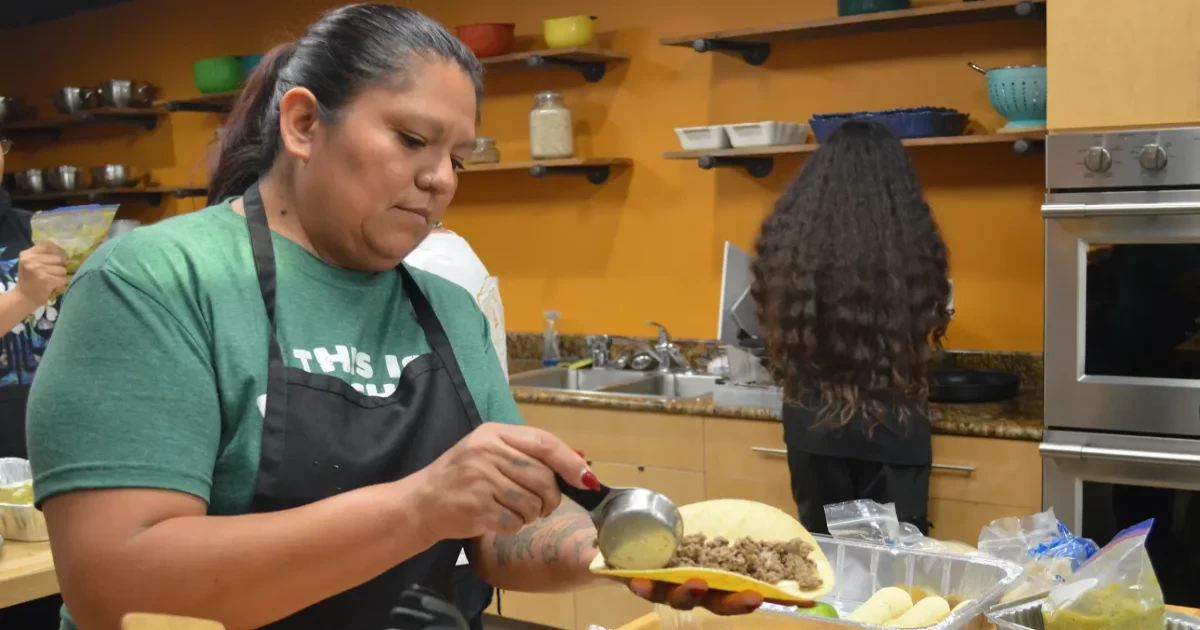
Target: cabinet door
{"x": 556, "y": 610}
{"x": 747, "y": 459}
{"x": 608, "y": 606}
{"x": 1116, "y": 63}
{"x": 681, "y": 486}
{"x": 986, "y": 470}
{"x": 626, "y": 437}
{"x": 962, "y": 520}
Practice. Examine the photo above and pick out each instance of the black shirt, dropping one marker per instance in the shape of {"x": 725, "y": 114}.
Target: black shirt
{"x": 891, "y": 442}
{"x": 21, "y": 348}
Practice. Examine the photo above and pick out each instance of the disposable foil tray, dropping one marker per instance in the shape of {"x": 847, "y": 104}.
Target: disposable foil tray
{"x": 861, "y": 568}
{"x": 1026, "y": 614}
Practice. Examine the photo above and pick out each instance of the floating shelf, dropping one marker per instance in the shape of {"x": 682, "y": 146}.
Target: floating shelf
{"x": 218, "y": 103}
{"x": 592, "y": 63}
{"x": 151, "y": 195}
{"x": 596, "y": 170}
{"x": 754, "y": 44}
{"x": 760, "y": 161}
{"x": 51, "y": 127}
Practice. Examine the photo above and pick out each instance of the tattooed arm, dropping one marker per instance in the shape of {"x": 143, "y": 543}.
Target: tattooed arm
{"x": 549, "y": 555}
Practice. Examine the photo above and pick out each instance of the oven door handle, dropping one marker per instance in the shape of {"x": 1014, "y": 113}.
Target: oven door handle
{"x": 1075, "y": 451}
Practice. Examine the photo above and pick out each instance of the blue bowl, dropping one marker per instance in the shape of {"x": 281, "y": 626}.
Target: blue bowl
{"x": 250, "y": 62}
{"x": 911, "y": 122}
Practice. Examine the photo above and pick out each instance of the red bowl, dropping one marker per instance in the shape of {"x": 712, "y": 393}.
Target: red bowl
{"x": 487, "y": 40}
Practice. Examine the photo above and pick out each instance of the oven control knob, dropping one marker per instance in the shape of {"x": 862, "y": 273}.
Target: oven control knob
{"x": 1097, "y": 159}
{"x": 1153, "y": 157}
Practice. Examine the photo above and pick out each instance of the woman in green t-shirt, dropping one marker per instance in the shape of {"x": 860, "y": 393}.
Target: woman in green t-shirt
{"x": 256, "y": 414}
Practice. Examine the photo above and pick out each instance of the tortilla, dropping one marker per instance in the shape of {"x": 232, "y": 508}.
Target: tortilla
{"x": 733, "y": 519}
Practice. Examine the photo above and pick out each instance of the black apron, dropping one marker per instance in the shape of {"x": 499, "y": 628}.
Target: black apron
{"x": 321, "y": 438}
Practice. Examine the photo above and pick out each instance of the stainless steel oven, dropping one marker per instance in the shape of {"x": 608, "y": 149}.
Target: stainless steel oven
{"x": 1122, "y": 341}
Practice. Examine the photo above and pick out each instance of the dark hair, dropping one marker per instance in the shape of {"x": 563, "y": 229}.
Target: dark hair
{"x": 345, "y": 51}
{"x": 850, "y": 280}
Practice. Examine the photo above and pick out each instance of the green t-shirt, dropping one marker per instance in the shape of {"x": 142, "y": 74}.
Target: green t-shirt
{"x": 157, "y": 373}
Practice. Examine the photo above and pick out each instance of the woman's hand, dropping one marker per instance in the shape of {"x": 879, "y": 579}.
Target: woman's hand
{"x": 41, "y": 270}
{"x": 496, "y": 480}
{"x": 695, "y": 594}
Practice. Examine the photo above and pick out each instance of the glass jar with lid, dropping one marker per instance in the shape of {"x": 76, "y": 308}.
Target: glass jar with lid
{"x": 484, "y": 151}
{"x": 550, "y": 132}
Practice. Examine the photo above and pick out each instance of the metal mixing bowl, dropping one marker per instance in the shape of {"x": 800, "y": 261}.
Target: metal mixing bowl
{"x": 126, "y": 93}
{"x": 70, "y": 100}
{"x": 30, "y": 181}
{"x": 64, "y": 178}
{"x": 11, "y": 109}
{"x": 113, "y": 176}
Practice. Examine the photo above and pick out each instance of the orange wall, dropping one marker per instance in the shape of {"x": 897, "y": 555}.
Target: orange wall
{"x": 647, "y": 245}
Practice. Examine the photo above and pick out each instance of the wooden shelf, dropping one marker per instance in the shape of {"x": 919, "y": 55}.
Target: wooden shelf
{"x": 596, "y": 170}
{"x": 592, "y": 63}
{"x": 759, "y": 161}
{"x": 218, "y": 103}
{"x": 51, "y": 127}
{"x": 754, "y": 44}
{"x": 152, "y": 194}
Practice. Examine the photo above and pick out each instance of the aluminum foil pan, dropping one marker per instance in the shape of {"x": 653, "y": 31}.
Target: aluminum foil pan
{"x": 1026, "y": 614}
{"x": 861, "y": 568}
{"x": 20, "y": 522}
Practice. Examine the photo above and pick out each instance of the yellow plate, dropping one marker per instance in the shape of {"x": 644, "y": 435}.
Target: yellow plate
{"x": 732, "y": 519}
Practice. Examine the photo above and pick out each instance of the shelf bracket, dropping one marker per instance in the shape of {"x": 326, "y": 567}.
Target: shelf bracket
{"x": 592, "y": 71}
{"x": 99, "y": 196}
{"x": 753, "y": 54}
{"x": 594, "y": 174}
{"x": 145, "y": 121}
{"x": 202, "y": 108}
{"x": 1026, "y": 146}
{"x": 757, "y": 167}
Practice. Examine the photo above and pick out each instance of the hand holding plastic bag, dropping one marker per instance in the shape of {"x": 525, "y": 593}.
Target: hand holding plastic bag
{"x": 77, "y": 230}
{"x": 1115, "y": 590}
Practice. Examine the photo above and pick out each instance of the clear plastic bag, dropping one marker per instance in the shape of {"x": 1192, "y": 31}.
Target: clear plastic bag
{"x": 869, "y": 521}
{"x": 1116, "y": 589}
{"x": 77, "y": 230}
{"x": 1042, "y": 545}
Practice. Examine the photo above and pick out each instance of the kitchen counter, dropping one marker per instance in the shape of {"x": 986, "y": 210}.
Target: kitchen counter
{"x": 1016, "y": 419}
{"x": 26, "y": 572}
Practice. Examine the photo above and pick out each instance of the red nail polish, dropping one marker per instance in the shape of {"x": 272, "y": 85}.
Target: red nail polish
{"x": 590, "y": 480}
{"x": 580, "y": 453}
{"x": 697, "y": 592}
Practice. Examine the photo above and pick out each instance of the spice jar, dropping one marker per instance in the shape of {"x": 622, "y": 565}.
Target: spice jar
{"x": 550, "y": 132}
{"x": 484, "y": 151}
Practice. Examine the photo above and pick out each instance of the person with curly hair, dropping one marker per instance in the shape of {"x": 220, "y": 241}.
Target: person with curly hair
{"x": 850, "y": 281}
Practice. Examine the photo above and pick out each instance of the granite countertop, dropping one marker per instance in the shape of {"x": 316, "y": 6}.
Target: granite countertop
{"x": 1016, "y": 419}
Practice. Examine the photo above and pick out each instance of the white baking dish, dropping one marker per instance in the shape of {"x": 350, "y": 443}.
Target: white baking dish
{"x": 20, "y": 522}
{"x": 770, "y": 133}
{"x": 702, "y": 138}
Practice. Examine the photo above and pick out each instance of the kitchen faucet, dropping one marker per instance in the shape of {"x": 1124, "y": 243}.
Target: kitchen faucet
{"x": 668, "y": 354}
{"x": 664, "y": 352}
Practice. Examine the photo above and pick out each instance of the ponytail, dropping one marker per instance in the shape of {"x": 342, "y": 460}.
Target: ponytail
{"x": 251, "y": 137}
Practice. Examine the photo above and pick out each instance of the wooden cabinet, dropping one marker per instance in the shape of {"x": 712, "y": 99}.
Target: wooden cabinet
{"x": 689, "y": 458}
{"x": 1115, "y": 63}
{"x": 977, "y": 480}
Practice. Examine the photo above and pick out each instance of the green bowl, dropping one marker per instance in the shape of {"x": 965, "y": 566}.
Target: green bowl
{"x": 218, "y": 74}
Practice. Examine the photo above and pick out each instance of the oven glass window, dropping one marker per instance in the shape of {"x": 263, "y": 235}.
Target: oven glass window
{"x": 1143, "y": 303}
{"x": 1174, "y": 543}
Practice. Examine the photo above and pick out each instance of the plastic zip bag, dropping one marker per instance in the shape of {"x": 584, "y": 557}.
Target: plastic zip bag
{"x": 1042, "y": 545}
{"x": 870, "y": 521}
{"x": 1116, "y": 589}
{"x": 77, "y": 230}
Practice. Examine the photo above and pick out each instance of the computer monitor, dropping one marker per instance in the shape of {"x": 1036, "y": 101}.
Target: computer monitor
{"x": 738, "y": 311}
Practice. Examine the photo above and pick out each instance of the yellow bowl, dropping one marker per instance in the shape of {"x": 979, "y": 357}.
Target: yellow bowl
{"x": 568, "y": 32}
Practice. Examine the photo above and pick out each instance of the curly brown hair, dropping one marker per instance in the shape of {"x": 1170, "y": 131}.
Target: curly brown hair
{"x": 850, "y": 281}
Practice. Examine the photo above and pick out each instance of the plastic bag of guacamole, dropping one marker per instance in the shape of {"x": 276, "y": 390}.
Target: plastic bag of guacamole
{"x": 78, "y": 230}
{"x": 1115, "y": 590}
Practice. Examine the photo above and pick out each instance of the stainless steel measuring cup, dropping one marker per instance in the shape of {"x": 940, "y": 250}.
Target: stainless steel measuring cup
{"x": 637, "y": 529}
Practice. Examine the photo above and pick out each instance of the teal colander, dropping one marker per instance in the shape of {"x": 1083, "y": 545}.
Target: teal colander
{"x": 1018, "y": 93}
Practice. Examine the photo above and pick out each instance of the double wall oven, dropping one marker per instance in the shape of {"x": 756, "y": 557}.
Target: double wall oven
{"x": 1122, "y": 346}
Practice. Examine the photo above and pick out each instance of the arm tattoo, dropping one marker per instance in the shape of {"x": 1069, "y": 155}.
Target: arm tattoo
{"x": 567, "y": 536}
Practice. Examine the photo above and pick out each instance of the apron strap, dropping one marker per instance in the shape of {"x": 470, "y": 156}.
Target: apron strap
{"x": 274, "y": 433}
{"x": 439, "y": 342}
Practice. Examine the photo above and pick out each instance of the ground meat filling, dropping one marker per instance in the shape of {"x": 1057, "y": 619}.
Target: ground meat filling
{"x": 770, "y": 562}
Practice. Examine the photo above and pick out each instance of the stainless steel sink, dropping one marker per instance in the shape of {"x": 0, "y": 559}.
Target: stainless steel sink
{"x": 576, "y": 380}
{"x": 668, "y": 385}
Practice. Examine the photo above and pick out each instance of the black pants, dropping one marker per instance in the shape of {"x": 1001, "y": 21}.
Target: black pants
{"x": 474, "y": 595}
{"x": 39, "y": 614}
{"x": 818, "y": 481}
